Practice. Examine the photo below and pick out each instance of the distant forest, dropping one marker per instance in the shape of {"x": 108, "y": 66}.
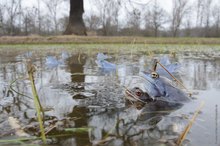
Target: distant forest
{"x": 200, "y": 18}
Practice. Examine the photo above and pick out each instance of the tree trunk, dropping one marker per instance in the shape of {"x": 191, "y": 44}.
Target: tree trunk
{"x": 76, "y": 25}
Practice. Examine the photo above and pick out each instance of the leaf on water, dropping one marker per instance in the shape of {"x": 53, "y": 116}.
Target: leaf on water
{"x": 14, "y": 123}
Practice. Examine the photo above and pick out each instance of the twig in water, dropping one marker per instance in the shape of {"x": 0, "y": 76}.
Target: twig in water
{"x": 188, "y": 127}
{"x": 190, "y": 94}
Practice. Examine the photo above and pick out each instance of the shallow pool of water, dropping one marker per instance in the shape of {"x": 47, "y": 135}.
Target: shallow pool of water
{"x": 76, "y": 93}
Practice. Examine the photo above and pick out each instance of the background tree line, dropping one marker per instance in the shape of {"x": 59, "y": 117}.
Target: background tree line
{"x": 200, "y": 18}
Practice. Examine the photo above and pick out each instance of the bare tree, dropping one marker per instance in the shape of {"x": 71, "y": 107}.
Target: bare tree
{"x": 203, "y": 16}
{"x": 216, "y": 16}
{"x": 203, "y": 20}
{"x": 108, "y": 13}
{"x": 199, "y": 12}
{"x": 93, "y": 22}
{"x": 39, "y": 16}
{"x": 1, "y": 14}
{"x": 53, "y": 6}
{"x": 29, "y": 21}
{"x": 20, "y": 11}
{"x": 207, "y": 16}
{"x": 134, "y": 19}
{"x": 1, "y": 19}
{"x": 12, "y": 10}
{"x": 63, "y": 22}
{"x": 47, "y": 25}
{"x": 156, "y": 18}
{"x": 187, "y": 27}
{"x": 179, "y": 10}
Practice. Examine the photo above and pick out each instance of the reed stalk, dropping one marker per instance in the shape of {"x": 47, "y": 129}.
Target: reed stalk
{"x": 188, "y": 127}
{"x": 31, "y": 70}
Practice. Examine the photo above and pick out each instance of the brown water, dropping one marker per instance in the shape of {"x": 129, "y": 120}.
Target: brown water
{"x": 76, "y": 94}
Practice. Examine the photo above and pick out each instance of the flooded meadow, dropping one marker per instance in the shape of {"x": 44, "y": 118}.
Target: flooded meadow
{"x": 84, "y": 104}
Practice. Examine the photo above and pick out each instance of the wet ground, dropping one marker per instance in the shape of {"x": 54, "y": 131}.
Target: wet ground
{"x": 75, "y": 93}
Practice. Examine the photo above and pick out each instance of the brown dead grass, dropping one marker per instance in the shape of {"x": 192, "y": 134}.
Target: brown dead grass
{"x": 103, "y": 40}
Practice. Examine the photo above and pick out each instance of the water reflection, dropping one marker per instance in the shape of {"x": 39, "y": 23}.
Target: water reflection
{"x": 202, "y": 74}
{"x": 81, "y": 113}
{"x": 75, "y": 65}
{"x": 105, "y": 110}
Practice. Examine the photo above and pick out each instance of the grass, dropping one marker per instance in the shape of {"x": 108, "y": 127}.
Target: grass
{"x": 94, "y": 44}
{"x": 147, "y": 49}
{"x": 37, "y": 103}
{"x": 188, "y": 127}
{"x": 105, "y": 40}
{"x": 27, "y": 140}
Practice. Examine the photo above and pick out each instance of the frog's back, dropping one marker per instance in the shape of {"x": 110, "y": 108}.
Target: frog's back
{"x": 171, "y": 92}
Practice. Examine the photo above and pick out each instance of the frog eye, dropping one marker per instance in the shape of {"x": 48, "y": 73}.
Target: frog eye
{"x": 154, "y": 75}
{"x": 138, "y": 93}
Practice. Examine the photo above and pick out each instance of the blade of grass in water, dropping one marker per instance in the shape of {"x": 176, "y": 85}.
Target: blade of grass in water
{"x": 37, "y": 104}
{"x": 18, "y": 140}
{"x": 22, "y": 140}
{"x": 188, "y": 127}
{"x": 78, "y": 130}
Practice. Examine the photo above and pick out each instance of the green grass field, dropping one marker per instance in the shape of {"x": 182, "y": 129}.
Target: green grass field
{"x": 105, "y": 40}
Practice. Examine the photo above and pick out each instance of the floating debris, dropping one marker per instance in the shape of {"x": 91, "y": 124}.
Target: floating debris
{"x": 14, "y": 123}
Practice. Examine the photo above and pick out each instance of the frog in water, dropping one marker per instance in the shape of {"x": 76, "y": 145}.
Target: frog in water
{"x": 158, "y": 91}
